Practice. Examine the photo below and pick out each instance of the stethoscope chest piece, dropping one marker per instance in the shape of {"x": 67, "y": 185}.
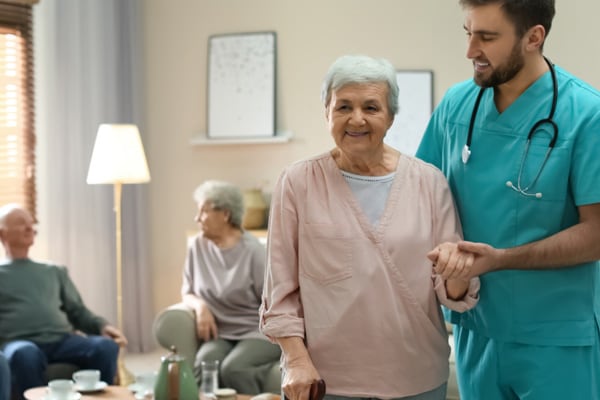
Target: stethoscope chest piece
{"x": 466, "y": 153}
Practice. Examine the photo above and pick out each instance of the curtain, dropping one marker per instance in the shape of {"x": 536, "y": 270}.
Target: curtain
{"x": 88, "y": 72}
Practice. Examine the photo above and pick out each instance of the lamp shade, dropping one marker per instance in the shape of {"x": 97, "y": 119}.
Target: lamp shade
{"x": 118, "y": 156}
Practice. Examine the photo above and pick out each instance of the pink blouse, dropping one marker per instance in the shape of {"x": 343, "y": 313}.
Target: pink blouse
{"x": 361, "y": 296}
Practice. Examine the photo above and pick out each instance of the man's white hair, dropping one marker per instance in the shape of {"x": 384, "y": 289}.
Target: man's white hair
{"x": 6, "y": 209}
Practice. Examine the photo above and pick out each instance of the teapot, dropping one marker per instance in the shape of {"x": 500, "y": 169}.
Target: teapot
{"x": 175, "y": 379}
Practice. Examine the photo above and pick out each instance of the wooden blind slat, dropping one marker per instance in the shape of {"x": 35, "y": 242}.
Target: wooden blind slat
{"x": 17, "y": 138}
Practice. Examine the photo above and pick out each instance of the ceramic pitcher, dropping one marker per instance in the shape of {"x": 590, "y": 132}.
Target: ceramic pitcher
{"x": 175, "y": 379}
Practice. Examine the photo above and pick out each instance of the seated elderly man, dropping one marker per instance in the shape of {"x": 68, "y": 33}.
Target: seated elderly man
{"x": 41, "y": 310}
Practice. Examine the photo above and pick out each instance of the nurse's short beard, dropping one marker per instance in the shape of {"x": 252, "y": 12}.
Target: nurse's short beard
{"x": 503, "y": 73}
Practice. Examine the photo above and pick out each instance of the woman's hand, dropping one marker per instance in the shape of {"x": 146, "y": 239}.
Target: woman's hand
{"x": 299, "y": 371}
{"x": 450, "y": 262}
{"x": 206, "y": 327}
{"x": 299, "y": 375}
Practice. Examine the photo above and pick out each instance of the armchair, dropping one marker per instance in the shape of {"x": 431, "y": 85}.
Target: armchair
{"x": 176, "y": 326}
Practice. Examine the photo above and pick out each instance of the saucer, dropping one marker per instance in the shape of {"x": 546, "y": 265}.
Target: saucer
{"x": 99, "y": 386}
{"x": 73, "y": 396}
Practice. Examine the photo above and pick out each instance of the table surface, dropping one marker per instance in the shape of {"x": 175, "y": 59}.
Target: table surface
{"x": 111, "y": 392}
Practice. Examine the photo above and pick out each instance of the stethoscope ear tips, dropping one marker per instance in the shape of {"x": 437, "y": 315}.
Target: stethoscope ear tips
{"x": 509, "y": 184}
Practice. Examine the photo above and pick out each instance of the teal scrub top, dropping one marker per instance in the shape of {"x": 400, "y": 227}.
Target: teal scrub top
{"x": 544, "y": 307}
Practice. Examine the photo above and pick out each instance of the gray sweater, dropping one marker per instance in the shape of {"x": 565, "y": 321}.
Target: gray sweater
{"x": 230, "y": 281}
{"x": 39, "y": 302}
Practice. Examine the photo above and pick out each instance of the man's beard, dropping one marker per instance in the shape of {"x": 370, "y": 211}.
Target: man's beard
{"x": 503, "y": 73}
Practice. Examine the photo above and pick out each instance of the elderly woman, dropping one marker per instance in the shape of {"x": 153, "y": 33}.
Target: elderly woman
{"x": 223, "y": 281}
{"x": 349, "y": 294}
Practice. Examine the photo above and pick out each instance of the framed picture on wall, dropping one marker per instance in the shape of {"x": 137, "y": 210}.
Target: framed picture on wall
{"x": 415, "y": 100}
{"x": 241, "y": 85}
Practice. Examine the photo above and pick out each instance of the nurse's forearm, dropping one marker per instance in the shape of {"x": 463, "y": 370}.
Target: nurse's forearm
{"x": 574, "y": 245}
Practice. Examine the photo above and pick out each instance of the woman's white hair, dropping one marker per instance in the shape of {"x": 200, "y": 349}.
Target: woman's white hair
{"x": 223, "y": 196}
{"x": 351, "y": 69}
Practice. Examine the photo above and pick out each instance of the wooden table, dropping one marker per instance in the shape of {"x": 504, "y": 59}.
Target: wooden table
{"x": 110, "y": 392}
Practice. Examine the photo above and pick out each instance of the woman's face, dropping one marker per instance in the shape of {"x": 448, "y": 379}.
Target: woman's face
{"x": 358, "y": 117}
{"x": 211, "y": 221}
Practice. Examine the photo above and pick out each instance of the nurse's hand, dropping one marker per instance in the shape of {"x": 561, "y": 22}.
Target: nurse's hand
{"x": 451, "y": 262}
{"x": 486, "y": 257}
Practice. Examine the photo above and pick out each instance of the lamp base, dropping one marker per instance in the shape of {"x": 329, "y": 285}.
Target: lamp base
{"x": 124, "y": 376}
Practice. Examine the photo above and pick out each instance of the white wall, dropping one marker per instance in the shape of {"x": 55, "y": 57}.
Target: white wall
{"x": 424, "y": 34}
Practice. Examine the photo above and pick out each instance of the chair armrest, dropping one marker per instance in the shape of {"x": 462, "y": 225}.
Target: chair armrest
{"x": 176, "y": 326}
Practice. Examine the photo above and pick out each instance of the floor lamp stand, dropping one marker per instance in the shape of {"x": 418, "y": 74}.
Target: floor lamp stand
{"x": 124, "y": 377}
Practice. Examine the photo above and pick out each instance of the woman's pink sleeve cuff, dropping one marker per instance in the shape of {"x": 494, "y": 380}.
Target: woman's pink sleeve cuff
{"x": 469, "y": 300}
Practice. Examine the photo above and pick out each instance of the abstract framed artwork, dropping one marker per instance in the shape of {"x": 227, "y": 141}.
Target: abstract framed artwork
{"x": 241, "y": 85}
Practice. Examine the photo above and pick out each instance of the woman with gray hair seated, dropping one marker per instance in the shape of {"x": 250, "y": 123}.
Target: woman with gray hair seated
{"x": 222, "y": 282}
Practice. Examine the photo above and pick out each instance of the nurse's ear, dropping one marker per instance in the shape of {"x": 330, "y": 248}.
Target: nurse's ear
{"x": 534, "y": 38}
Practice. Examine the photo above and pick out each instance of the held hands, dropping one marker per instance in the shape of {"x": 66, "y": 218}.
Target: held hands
{"x": 464, "y": 260}
{"x": 206, "y": 327}
{"x": 450, "y": 262}
{"x": 115, "y": 334}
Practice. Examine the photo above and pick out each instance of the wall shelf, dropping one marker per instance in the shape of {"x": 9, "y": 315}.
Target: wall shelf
{"x": 204, "y": 140}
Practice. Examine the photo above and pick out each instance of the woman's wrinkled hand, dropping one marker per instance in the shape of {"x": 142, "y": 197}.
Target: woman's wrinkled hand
{"x": 450, "y": 262}
{"x": 206, "y": 327}
{"x": 299, "y": 375}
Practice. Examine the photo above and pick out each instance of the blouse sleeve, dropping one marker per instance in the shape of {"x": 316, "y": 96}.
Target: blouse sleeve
{"x": 281, "y": 312}
{"x": 469, "y": 300}
{"x": 449, "y": 229}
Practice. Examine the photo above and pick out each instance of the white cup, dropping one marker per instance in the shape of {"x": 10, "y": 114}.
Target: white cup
{"x": 60, "y": 389}
{"x": 87, "y": 379}
{"x": 145, "y": 382}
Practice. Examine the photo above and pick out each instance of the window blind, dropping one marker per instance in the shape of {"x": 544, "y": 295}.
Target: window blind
{"x": 17, "y": 136}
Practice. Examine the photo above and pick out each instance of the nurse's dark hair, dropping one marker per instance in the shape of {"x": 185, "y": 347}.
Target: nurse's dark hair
{"x": 523, "y": 13}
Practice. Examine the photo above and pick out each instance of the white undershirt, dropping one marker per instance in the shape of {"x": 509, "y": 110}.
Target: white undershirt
{"x": 371, "y": 192}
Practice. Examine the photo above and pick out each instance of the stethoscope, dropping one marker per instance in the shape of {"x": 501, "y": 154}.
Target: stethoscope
{"x": 466, "y": 151}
